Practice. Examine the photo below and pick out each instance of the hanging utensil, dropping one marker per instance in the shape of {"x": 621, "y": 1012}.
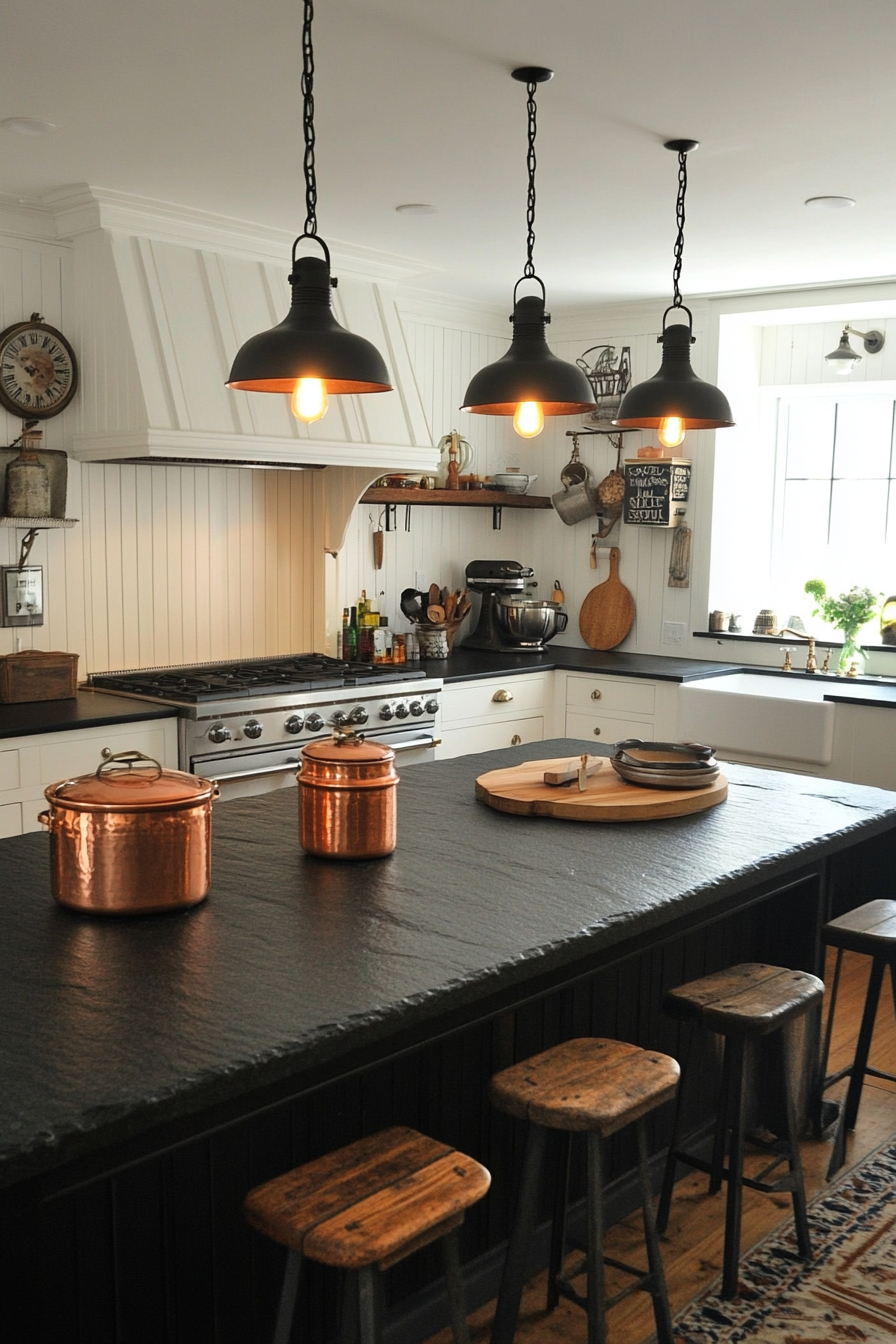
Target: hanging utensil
{"x": 378, "y": 543}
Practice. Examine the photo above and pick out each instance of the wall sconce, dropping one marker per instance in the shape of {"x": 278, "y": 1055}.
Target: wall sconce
{"x": 844, "y": 359}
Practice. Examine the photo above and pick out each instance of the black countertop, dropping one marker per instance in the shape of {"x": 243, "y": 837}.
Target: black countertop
{"x": 88, "y": 709}
{"x": 470, "y": 664}
{"x": 298, "y": 969}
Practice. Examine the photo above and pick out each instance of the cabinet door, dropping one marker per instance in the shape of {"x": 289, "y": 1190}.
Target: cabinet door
{"x": 488, "y": 737}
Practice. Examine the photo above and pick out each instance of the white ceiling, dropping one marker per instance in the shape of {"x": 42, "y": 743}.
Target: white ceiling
{"x": 198, "y": 102}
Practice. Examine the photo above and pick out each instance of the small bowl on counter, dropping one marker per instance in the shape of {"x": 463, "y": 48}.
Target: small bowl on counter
{"x": 665, "y": 765}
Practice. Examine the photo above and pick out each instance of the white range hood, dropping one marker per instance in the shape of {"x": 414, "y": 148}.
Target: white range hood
{"x": 164, "y": 297}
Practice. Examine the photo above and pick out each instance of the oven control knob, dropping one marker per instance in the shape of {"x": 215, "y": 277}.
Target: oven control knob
{"x": 387, "y": 712}
{"x": 358, "y": 715}
{"x": 339, "y": 719}
{"x": 295, "y": 723}
{"x": 314, "y": 723}
{"x": 401, "y": 710}
{"x": 416, "y": 708}
{"x": 432, "y": 705}
{"x": 218, "y": 733}
{"x": 252, "y": 729}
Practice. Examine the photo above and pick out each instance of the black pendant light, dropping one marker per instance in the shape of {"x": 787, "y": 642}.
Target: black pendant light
{"x": 529, "y": 382}
{"x": 309, "y": 355}
{"x": 675, "y": 400}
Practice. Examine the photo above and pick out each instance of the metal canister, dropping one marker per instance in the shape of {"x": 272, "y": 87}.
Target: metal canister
{"x": 28, "y": 482}
{"x": 347, "y": 798}
{"x": 131, "y": 839}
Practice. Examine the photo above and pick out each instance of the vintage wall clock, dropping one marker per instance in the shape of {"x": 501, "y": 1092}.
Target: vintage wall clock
{"x": 38, "y": 369}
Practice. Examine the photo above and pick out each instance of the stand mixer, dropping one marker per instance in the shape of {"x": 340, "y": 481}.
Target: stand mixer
{"x": 509, "y": 621}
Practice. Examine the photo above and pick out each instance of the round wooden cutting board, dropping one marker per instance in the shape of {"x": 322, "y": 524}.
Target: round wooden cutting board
{"x": 521, "y": 790}
{"x": 608, "y": 611}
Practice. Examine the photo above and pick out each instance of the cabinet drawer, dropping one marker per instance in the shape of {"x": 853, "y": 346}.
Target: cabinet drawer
{"x": 10, "y": 820}
{"x": 488, "y": 737}
{"x": 606, "y": 728}
{"x": 83, "y": 754}
{"x": 494, "y": 697}
{"x": 611, "y": 695}
{"x": 10, "y": 774}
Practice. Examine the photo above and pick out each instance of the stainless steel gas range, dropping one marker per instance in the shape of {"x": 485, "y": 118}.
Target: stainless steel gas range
{"x": 244, "y": 723}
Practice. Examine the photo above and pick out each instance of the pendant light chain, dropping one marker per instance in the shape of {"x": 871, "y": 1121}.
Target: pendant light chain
{"x": 530, "y": 163}
{"x": 308, "y": 122}
{"x": 679, "y": 216}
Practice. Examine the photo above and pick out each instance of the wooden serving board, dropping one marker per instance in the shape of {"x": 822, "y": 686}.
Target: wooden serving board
{"x": 521, "y": 789}
{"x": 608, "y": 611}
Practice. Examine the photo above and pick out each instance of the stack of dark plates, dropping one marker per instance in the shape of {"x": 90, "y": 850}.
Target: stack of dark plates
{"x": 665, "y": 765}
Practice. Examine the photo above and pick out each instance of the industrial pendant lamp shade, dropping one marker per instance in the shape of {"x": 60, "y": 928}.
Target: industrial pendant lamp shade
{"x": 529, "y": 381}
{"x": 309, "y": 355}
{"x": 675, "y": 390}
{"x": 675, "y": 400}
{"x": 309, "y": 342}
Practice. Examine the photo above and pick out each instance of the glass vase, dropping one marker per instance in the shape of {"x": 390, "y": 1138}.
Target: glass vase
{"x": 852, "y": 655}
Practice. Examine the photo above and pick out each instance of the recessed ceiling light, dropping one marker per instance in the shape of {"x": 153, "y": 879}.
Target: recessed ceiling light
{"x": 830, "y": 202}
{"x": 415, "y": 208}
{"x": 28, "y": 126}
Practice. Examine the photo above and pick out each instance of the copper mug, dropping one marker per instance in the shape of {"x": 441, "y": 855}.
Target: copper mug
{"x": 347, "y": 798}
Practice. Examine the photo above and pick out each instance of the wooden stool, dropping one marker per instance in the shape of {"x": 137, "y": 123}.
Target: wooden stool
{"x": 365, "y": 1207}
{"x": 871, "y": 930}
{"x": 596, "y": 1087}
{"x": 742, "y": 1005}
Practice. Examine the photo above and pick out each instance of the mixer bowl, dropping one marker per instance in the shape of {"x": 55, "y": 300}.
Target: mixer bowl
{"x": 528, "y": 620}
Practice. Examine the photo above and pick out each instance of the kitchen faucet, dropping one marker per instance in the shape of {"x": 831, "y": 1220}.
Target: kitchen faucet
{"x": 811, "y": 665}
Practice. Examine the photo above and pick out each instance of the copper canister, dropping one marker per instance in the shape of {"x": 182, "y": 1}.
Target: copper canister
{"x": 130, "y": 839}
{"x": 347, "y": 797}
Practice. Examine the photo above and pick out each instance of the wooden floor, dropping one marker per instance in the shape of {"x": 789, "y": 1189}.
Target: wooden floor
{"x": 692, "y": 1244}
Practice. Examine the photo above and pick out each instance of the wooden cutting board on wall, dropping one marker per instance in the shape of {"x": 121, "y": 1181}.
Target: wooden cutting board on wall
{"x": 608, "y": 611}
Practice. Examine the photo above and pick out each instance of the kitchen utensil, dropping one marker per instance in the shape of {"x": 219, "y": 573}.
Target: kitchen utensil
{"x": 451, "y": 605}
{"x": 131, "y": 838}
{"x": 436, "y": 614}
{"x": 586, "y": 766}
{"x": 665, "y": 755}
{"x": 521, "y": 790}
{"x": 608, "y": 611}
{"x": 575, "y": 472}
{"x": 435, "y": 594}
{"x": 577, "y": 500}
{"x": 557, "y": 595}
{"x": 463, "y": 455}
{"x": 347, "y": 798}
{"x": 411, "y": 603}
{"x": 528, "y": 621}
{"x": 517, "y": 483}
{"x": 718, "y": 620}
{"x": 665, "y": 779}
{"x": 378, "y": 548}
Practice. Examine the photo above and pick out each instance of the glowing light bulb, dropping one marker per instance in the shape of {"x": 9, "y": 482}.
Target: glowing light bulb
{"x": 670, "y": 431}
{"x": 309, "y": 400}
{"x": 528, "y": 419}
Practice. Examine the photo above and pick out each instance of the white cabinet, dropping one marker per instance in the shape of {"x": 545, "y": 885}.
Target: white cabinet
{"x": 864, "y": 737}
{"x": 29, "y": 764}
{"x": 492, "y": 712}
{"x": 611, "y": 709}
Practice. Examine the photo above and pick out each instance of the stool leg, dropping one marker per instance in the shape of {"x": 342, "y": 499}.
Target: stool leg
{"x": 369, "y": 1316}
{"x": 660, "y": 1297}
{"x": 829, "y": 1026}
{"x": 454, "y": 1281}
{"x": 597, "y": 1293}
{"x": 662, "y": 1213}
{"x": 850, "y": 1108}
{"x": 514, "y": 1276}
{"x": 723, "y": 1115}
{"x": 287, "y": 1307}
{"x": 558, "y": 1222}
{"x": 794, "y": 1160}
{"x": 734, "y": 1065}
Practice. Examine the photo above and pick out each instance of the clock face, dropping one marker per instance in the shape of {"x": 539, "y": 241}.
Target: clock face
{"x": 38, "y": 370}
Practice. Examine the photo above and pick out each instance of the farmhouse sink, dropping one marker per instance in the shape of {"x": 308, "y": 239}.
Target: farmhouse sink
{"x": 746, "y": 713}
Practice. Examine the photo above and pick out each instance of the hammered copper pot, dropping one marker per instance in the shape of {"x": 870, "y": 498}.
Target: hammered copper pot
{"x": 130, "y": 839}
{"x": 347, "y": 797}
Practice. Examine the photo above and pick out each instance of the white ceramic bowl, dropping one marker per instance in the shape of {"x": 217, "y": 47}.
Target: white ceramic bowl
{"x": 517, "y": 482}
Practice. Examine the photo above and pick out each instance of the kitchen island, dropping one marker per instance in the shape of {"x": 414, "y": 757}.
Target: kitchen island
{"x": 154, "y": 1068}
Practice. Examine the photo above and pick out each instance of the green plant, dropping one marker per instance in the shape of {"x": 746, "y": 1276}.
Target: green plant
{"x": 847, "y": 612}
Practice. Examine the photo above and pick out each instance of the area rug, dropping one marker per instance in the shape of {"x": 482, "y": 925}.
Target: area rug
{"x": 846, "y": 1295}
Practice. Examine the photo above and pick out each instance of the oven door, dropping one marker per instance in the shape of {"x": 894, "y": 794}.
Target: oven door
{"x": 241, "y": 774}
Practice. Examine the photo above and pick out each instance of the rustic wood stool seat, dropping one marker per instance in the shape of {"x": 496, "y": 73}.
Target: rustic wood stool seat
{"x": 870, "y": 930}
{"x": 744, "y": 1004}
{"x": 363, "y": 1208}
{"x": 596, "y": 1087}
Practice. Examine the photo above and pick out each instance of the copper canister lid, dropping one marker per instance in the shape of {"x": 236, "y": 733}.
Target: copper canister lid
{"x": 129, "y": 781}
{"x": 347, "y": 761}
{"x": 348, "y": 749}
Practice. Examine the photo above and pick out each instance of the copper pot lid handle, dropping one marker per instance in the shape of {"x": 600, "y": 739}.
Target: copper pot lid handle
{"x": 128, "y": 760}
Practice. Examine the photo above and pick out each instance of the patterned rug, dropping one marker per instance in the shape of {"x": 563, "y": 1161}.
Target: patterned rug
{"x": 847, "y": 1295}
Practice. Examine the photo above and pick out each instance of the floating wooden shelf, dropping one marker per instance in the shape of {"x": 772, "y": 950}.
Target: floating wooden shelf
{"x": 494, "y": 499}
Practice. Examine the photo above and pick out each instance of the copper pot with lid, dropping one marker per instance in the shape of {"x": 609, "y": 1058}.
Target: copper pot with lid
{"x": 347, "y": 798}
{"x": 130, "y": 839}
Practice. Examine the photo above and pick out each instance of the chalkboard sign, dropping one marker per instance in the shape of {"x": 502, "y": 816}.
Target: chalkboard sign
{"x": 656, "y": 491}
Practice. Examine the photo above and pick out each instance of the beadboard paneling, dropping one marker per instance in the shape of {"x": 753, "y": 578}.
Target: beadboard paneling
{"x": 794, "y": 354}
{"x": 174, "y": 564}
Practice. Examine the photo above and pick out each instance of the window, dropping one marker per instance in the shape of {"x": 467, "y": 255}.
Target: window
{"x": 835, "y": 494}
